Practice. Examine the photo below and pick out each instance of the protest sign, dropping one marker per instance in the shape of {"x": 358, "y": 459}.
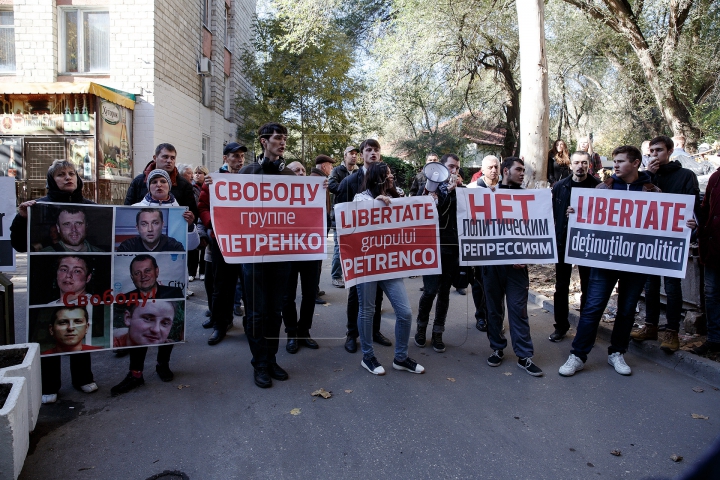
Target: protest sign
{"x": 629, "y": 231}
{"x": 267, "y": 218}
{"x": 506, "y": 227}
{"x": 103, "y": 277}
{"x": 379, "y": 242}
{"x": 7, "y": 214}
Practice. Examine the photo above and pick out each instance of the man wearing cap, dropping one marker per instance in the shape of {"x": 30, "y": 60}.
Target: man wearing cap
{"x": 164, "y": 159}
{"x": 337, "y": 175}
{"x": 226, "y": 275}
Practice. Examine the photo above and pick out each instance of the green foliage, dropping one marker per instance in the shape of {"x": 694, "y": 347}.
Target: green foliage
{"x": 311, "y": 90}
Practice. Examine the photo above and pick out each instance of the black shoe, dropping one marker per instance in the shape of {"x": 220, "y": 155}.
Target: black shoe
{"x": 238, "y": 310}
{"x": 320, "y": 293}
{"x": 461, "y": 291}
{"x": 528, "y": 365}
{"x": 208, "y": 313}
{"x": 262, "y": 377}
{"x": 420, "y": 339}
{"x": 216, "y": 337}
{"x": 309, "y": 342}
{"x": 437, "y": 342}
{"x": 351, "y": 344}
{"x": 707, "y": 347}
{"x": 292, "y": 345}
{"x": 319, "y": 301}
{"x": 481, "y": 325}
{"x": 209, "y": 323}
{"x": 164, "y": 372}
{"x": 381, "y": 339}
{"x": 277, "y": 372}
{"x": 496, "y": 358}
{"x": 126, "y": 385}
{"x": 557, "y": 336}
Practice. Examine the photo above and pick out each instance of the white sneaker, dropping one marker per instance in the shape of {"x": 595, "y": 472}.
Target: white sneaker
{"x": 89, "y": 388}
{"x": 191, "y": 278}
{"x": 52, "y": 398}
{"x": 189, "y": 293}
{"x": 573, "y": 364}
{"x": 201, "y": 276}
{"x": 373, "y": 366}
{"x": 618, "y": 361}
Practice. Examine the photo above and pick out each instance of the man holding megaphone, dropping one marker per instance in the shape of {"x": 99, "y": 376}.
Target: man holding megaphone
{"x": 442, "y": 180}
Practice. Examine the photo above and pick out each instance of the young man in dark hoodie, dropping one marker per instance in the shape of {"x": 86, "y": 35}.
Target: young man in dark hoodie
{"x": 64, "y": 186}
{"x": 670, "y": 177}
{"x": 509, "y": 283}
{"x": 626, "y": 160}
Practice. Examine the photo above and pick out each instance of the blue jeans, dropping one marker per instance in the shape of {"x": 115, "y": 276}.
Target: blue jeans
{"x": 712, "y": 303}
{"x": 506, "y": 282}
{"x": 336, "y": 270}
{"x": 395, "y": 291}
{"x": 673, "y": 290}
{"x": 600, "y": 287}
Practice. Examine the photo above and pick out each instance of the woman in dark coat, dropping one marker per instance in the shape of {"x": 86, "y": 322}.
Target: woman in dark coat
{"x": 63, "y": 186}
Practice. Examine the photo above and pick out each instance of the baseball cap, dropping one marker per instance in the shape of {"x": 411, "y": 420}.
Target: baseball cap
{"x": 350, "y": 149}
{"x": 233, "y": 147}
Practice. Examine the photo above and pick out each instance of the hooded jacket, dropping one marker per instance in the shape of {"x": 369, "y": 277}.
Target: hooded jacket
{"x": 18, "y": 229}
{"x": 180, "y": 188}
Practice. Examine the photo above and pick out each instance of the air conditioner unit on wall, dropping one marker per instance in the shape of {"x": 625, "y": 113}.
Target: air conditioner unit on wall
{"x": 204, "y": 67}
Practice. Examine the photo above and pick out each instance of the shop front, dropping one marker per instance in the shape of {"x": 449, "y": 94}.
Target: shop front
{"x": 87, "y": 124}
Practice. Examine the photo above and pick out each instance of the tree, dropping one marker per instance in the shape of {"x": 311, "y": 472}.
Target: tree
{"x": 656, "y": 33}
{"x": 310, "y": 89}
{"x": 534, "y": 116}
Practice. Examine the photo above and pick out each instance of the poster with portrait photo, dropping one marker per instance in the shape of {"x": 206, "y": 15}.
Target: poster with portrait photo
{"x": 157, "y": 322}
{"x": 70, "y": 329}
{"x": 67, "y": 276}
{"x": 150, "y": 229}
{"x": 165, "y": 274}
{"x": 58, "y": 227}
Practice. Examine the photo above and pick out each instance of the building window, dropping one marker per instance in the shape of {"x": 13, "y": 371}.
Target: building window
{"x": 224, "y": 25}
{"x": 85, "y": 36}
{"x": 227, "y": 98}
{"x": 7, "y": 41}
{"x": 206, "y": 9}
{"x": 205, "y": 145}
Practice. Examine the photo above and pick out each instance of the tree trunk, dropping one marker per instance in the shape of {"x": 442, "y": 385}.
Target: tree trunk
{"x": 534, "y": 102}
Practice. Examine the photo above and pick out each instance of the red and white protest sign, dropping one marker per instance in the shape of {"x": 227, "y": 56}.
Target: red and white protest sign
{"x": 629, "y": 231}
{"x": 268, "y": 218}
{"x": 379, "y": 242}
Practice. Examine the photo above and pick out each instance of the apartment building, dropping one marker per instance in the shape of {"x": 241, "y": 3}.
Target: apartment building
{"x": 102, "y": 82}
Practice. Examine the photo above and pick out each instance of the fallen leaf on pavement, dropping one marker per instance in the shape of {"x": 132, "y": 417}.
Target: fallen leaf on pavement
{"x": 326, "y": 304}
{"x": 338, "y": 370}
{"x": 321, "y": 393}
{"x": 533, "y": 314}
{"x": 617, "y": 453}
{"x": 676, "y": 458}
{"x": 348, "y": 391}
{"x": 698, "y": 390}
{"x": 295, "y": 411}
{"x": 507, "y": 374}
{"x": 699, "y": 417}
{"x": 180, "y": 387}
{"x": 451, "y": 379}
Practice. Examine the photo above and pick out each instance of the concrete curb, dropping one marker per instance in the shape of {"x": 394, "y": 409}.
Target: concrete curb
{"x": 29, "y": 369}
{"x": 14, "y": 429}
{"x": 686, "y": 363}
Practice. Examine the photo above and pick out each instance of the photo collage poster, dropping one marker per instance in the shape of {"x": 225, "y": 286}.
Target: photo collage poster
{"x": 105, "y": 277}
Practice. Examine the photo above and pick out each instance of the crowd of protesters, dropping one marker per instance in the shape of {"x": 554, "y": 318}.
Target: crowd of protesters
{"x": 264, "y": 294}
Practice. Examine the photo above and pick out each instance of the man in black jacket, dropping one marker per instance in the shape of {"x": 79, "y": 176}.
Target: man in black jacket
{"x": 669, "y": 177}
{"x": 439, "y": 285}
{"x": 164, "y": 158}
{"x": 346, "y": 191}
{"x": 561, "y": 191}
{"x": 418, "y": 184}
{"x": 336, "y": 177}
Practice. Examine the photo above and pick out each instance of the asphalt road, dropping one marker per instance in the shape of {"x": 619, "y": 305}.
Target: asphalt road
{"x": 460, "y": 419}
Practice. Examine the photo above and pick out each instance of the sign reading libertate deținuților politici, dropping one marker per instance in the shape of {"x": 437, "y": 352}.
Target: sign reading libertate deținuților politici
{"x": 630, "y": 231}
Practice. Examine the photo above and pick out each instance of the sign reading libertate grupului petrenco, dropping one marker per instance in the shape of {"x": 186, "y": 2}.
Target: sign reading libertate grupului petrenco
{"x": 639, "y": 232}
{"x": 268, "y": 218}
{"x": 381, "y": 242}
{"x": 506, "y": 227}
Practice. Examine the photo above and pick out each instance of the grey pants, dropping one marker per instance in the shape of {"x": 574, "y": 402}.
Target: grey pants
{"x": 505, "y": 282}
